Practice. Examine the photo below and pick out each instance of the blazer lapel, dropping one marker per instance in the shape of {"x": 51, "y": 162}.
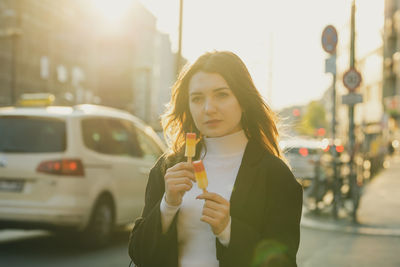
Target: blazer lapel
{"x": 247, "y": 175}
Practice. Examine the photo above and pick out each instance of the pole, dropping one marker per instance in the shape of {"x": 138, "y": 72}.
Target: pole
{"x": 14, "y": 50}
{"x": 352, "y": 65}
{"x": 270, "y": 66}
{"x": 334, "y": 153}
{"x": 352, "y": 35}
{"x": 329, "y": 42}
{"x": 351, "y": 109}
{"x": 333, "y": 149}
{"x": 179, "y": 53}
{"x": 13, "y": 69}
{"x": 334, "y": 107}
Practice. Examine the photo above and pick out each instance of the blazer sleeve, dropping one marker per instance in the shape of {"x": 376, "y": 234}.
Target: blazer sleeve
{"x": 276, "y": 242}
{"x": 282, "y": 232}
{"x": 239, "y": 252}
{"x": 147, "y": 245}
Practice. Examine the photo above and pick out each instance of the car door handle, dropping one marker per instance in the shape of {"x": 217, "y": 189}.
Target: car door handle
{"x": 98, "y": 165}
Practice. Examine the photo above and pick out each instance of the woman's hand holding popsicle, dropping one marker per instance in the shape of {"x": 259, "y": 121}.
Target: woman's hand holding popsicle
{"x": 216, "y": 211}
{"x": 178, "y": 179}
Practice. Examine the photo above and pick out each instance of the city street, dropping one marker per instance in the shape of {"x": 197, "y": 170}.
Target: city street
{"x": 39, "y": 248}
{"x": 317, "y": 248}
{"x": 324, "y": 242}
{"x": 327, "y": 248}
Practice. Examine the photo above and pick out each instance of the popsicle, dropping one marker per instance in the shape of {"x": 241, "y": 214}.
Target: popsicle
{"x": 190, "y": 150}
{"x": 200, "y": 174}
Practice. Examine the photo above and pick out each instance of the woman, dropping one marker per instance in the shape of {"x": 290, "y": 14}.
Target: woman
{"x": 250, "y": 214}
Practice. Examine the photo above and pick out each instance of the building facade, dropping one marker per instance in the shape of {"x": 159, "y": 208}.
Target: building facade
{"x": 391, "y": 71}
{"x": 65, "y": 48}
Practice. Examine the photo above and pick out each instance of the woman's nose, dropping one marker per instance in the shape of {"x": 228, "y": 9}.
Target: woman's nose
{"x": 209, "y": 106}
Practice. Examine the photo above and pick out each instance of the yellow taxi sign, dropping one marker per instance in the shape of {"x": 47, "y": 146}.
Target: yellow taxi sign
{"x": 36, "y": 100}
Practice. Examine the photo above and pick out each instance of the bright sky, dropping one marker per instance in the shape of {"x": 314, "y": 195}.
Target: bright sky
{"x": 279, "y": 40}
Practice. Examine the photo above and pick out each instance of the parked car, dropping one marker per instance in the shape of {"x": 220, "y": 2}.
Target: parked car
{"x": 81, "y": 168}
{"x": 302, "y": 155}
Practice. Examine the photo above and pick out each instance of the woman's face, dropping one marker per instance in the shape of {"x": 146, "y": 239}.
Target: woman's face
{"x": 215, "y": 110}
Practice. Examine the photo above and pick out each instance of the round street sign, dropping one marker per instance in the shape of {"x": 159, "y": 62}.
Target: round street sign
{"x": 352, "y": 79}
{"x": 329, "y": 39}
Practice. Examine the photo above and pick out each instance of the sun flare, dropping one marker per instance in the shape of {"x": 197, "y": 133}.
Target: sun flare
{"x": 112, "y": 10}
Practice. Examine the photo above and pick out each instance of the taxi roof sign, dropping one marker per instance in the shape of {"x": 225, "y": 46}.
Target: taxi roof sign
{"x": 36, "y": 100}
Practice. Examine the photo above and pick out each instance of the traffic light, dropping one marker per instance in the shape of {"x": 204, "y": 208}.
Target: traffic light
{"x": 296, "y": 112}
{"x": 321, "y": 131}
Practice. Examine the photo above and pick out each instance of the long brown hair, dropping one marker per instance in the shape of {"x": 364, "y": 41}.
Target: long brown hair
{"x": 258, "y": 120}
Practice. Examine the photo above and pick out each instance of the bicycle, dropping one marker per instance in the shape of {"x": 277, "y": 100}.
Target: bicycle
{"x": 348, "y": 189}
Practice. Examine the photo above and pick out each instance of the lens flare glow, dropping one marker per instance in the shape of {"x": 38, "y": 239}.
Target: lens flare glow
{"x": 112, "y": 10}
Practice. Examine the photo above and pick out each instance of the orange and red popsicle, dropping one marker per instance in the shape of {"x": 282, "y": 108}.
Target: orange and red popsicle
{"x": 190, "y": 149}
{"x": 200, "y": 174}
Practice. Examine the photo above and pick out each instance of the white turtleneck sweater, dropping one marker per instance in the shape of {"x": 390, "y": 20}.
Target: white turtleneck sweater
{"x": 196, "y": 241}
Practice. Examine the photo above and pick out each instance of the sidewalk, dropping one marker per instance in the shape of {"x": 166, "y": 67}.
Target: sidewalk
{"x": 379, "y": 211}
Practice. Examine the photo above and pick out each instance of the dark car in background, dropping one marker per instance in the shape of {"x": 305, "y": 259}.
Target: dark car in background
{"x": 302, "y": 154}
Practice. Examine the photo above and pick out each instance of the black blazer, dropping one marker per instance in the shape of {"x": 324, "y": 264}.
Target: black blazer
{"x": 265, "y": 208}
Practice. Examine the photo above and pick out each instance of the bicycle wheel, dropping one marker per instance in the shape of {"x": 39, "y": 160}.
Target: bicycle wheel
{"x": 355, "y": 193}
{"x": 337, "y": 198}
{"x": 337, "y": 192}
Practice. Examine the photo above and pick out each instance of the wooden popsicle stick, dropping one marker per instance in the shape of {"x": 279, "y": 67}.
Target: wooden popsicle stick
{"x": 189, "y": 159}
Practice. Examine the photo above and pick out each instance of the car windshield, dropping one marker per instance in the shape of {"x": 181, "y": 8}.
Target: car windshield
{"x": 31, "y": 134}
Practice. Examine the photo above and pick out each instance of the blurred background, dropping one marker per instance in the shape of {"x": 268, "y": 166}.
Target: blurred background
{"x": 126, "y": 54}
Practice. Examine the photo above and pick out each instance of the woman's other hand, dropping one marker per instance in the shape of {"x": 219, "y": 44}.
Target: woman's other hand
{"x": 178, "y": 179}
{"x": 216, "y": 211}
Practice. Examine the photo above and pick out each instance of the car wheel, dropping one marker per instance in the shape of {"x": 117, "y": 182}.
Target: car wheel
{"x": 99, "y": 229}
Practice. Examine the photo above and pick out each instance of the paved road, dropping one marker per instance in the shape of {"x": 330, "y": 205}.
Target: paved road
{"x": 318, "y": 248}
{"x": 331, "y": 249}
{"x": 375, "y": 241}
{"x": 342, "y": 245}
{"x": 37, "y": 248}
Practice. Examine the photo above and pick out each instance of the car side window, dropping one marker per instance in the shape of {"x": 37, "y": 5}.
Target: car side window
{"x": 94, "y": 135}
{"x": 111, "y": 136}
{"x": 150, "y": 149}
{"x": 122, "y": 139}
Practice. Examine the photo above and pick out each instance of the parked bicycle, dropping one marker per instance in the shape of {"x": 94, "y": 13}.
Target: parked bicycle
{"x": 337, "y": 189}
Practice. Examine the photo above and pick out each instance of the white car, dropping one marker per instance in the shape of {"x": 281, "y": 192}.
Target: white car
{"x": 83, "y": 168}
{"x": 302, "y": 155}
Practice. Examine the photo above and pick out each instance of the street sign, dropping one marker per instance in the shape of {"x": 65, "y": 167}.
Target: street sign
{"x": 352, "y": 99}
{"x": 329, "y": 39}
{"x": 352, "y": 79}
{"x": 330, "y": 64}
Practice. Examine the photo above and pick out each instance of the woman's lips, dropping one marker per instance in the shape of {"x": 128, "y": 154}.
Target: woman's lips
{"x": 212, "y": 122}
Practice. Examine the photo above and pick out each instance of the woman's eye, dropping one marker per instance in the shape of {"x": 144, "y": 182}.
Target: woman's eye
{"x": 196, "y": 99}
{"x": 222, "y": 94}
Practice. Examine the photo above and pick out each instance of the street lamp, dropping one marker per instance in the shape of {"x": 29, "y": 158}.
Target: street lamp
{"x": 179, "y": 53}
{"x": 352, "y": 66}
{"x": 12, "y": 33}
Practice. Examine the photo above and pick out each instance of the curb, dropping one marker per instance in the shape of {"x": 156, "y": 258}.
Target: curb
{"x": 338, "y": 226}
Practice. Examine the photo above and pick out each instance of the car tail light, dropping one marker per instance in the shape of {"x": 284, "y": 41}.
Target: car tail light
{"x": 303, "y": 151}
{"x": 339, "y": 149}
{"x": 71, "y": 167}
